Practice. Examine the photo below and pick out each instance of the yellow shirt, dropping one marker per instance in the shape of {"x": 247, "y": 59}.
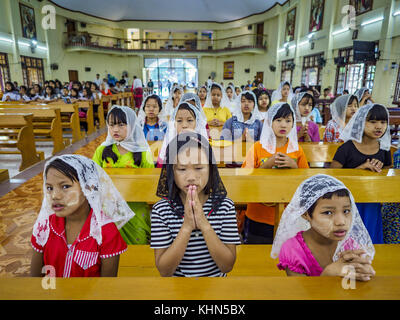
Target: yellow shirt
{"x": 221, "y": 114}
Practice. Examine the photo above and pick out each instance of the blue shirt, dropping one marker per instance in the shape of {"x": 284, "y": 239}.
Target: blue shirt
{"x": 396, "y": 159}
{"x": 156, "y": 132}
{"x": 233, "y": 129}
{"x": 317, "y": 115}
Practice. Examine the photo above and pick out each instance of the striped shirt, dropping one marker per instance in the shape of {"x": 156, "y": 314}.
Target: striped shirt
{"x": 197, "y": 260}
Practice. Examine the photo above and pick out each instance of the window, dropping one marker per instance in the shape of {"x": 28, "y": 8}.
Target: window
{"x": 165, "y": 71}
{"x": 311, "y": 74}
{"x": 4, "y": 70}
{"x": 287, "y": 70}
{"x": 396, "y": 97}
{"x": 32, "y": 71}
{"x": 352, "y": 76}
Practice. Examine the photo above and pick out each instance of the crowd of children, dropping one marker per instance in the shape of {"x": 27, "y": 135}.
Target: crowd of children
{"x": 193, "y": 229}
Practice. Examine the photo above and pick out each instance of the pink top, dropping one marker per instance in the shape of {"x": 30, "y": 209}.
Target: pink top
{"x": 297, "y": 257}
{"x": 313, "y": 132}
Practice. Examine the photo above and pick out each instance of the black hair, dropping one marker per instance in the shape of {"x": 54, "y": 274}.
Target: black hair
{"x": 12, "y": 86}
{"x": 167, "y": 187}
{"x": 262, "y": 92}
{"x": 339, "y": 193}
{"x": 118, "y": 117}
{"x": 353, "y": 98}
{"x": 51, "y": 89}
{"x": 214, "y": 86}
{"x": 377, "y": 113}
{"x": 284, "y": 112}
{"x": 23, "y": 87}
{"x": 74, "y": 90}
{"x": 88, "y": 92}
{"x": 286, "y": 83}
{"x": 64, "y": 168}
{"x": 308, "y": 97}
{"x": 155, "y": 97}
{"x": 95, "y": 85}
{"x": 185, "y": 106}
{"x": 248, "y": 96}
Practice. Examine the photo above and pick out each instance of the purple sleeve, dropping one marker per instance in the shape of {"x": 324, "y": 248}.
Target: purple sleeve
{"x": 313, "y": 131}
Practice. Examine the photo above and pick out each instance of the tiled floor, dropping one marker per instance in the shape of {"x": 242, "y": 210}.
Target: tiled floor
{"x": 20, "y": 203}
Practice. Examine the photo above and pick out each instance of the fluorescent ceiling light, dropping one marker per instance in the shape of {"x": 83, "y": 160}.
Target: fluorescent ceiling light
{"x": 281, "y": 50}
{"x": 6, "y": 40}
{"x": 41, "y": 47}
{"x": 371, "y": 21}
{"x": 292, "y": 47}
{"x": 396, "y": 13}
{"x": 24, "y": 44}
{"x": 304, "y": 43}
{"x": 310, "y": 35}
{"x": 340, "y": 31}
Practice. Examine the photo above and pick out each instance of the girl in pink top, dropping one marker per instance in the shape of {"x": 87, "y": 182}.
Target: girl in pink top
{"x": 321, "y": 232}
{"x": 307, "y": 131}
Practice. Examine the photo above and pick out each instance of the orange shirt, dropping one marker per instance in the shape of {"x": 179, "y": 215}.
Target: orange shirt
{"x": 265, "y": 212}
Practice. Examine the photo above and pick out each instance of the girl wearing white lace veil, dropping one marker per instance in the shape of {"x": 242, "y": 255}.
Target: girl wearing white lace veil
{"x": 216, "y": 106}
{"x": 153, "y": 127}
{"x": 307, "y": 131}
{"x": 284, "y": 93}
{"x": 76, "y": 229}
{"x": 194, "y": 99}
{"x": 246, "y": 120}
{"x": 277, "y": 148}
{"x": 186, "y": 117}
{"x": 364, "y": 97}
{"x": 127, "y": 147}
{"x": 173, "y": 100}
{"x": 231, "y": 94}
{"x": 366, "y": 146}
{"x": 321, "y": 232}
{"x": 342, "y": 109}
{"x": 202, "y": 94}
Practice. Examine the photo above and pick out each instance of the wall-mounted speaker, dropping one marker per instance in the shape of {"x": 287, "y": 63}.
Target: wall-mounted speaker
{"x": 272, "y": 68}
{"x": 247, "y": 70}
{"x": 83, "y": 25}
{"x": 54, "y": 66}
{"x": 87, "y": 69}
{"x": 250, "y": 27}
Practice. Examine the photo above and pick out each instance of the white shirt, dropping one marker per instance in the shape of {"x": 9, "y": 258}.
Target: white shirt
{"x": 137, "y": 83}
{"x": 98, "y": 82}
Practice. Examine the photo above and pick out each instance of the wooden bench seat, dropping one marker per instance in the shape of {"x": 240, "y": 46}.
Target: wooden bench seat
{"x": 46, "y": 125}
{"x": 251, "y": 260}
{"x": 69, "y": 116}
{"x": 266, "y": 185}
{"x": 24, "y": 143}
{"x": 88, "y": 106}
{"x": 229, "y": 288}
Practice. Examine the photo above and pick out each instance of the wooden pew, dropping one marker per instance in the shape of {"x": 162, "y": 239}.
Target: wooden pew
{"x": 4, "y": 175}
{"x": 230, "y": 288}
{"x": 251, "y": 260}
{"x": 140, "y": 185}
{"x": 46, "y": 125}
{"x": 88, "y": 106}
{"x": 228, "y": 152}
{"x": 69, "y": 116}
{"x": 24, "y": 143}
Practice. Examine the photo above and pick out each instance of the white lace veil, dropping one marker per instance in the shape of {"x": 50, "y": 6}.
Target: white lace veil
{"x": 354, "y": 129}
{"x": 255, "y": 114}
{"x": 295, "y": 104}
{"x": 338, "y": 110}
{"x": 268, "y": 138}
{"x": 360, "y": 92}
{"x": 135, "y": 140}
{"x": 168, "y": 109}
{"x": 189, "y": 96}
{"x": 171, "y": 133}
{"x": 104, "y": 199}
{"x": 277, "y": 94}
{"x": 305, "y": 196}
{"x": 224, "y": 100}
{"x": 142, "y": 114}
{"x": 233, "y": 101}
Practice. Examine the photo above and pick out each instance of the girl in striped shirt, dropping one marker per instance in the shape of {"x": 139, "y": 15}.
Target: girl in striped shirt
{"x": 193, "y": 228}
